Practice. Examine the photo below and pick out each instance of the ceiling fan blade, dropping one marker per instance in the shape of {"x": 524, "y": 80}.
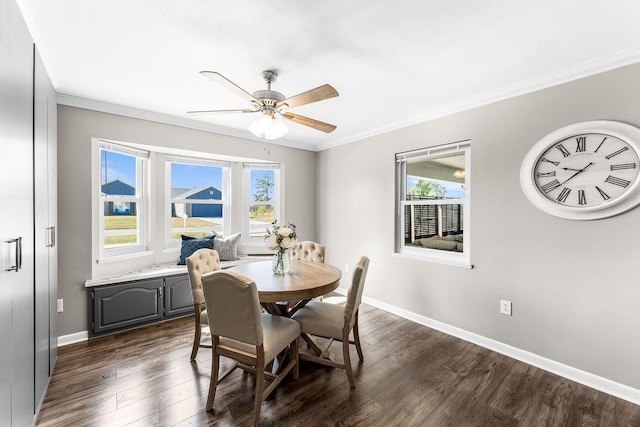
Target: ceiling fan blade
{"x": 316, "y": 124}
{"x": 219, "y": 78}
{"x": 314, "y": 95}
{"x": 205, "y": 112}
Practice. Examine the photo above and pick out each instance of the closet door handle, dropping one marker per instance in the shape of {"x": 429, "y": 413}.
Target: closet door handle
{"x": 52, "y": 236}
{"x": 18, "y": 254}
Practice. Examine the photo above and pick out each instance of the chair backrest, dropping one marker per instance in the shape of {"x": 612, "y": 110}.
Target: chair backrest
{"x": 308, "y": 251}
{"x": 354, "y": 296}
{"x": 200, "y": 262}
{"x": 233, "y": 307}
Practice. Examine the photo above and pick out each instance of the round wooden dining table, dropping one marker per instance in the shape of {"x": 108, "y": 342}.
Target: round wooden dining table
{"x": 304, "y": 281}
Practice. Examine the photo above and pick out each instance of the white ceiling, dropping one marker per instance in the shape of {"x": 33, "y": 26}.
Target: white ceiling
{"x": 393, "y": 63}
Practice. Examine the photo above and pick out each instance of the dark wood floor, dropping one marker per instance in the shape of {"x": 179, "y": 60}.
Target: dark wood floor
{"x": 411, "y": 376}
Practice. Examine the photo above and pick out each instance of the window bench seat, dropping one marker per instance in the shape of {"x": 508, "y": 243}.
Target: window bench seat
{"x": 161, "y": 270}
{"x": 147, "y": 295}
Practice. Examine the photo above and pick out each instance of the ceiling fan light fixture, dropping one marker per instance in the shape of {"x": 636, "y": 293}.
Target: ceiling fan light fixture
{"x": 271, "y": 127}
{"x": 278, "y": 129}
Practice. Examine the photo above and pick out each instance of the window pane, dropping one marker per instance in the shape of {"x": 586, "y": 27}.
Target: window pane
{"x": 260, "y": 217}
{"x": 262, "y": 185}
{"x": 120, "y": 224}
{"x": 183, "y": 220}
{"x": 117, "y": 174}
{"x": 196, "y": 182}
{"x": 434, "y": 226}
{"x": 438, "y": 177}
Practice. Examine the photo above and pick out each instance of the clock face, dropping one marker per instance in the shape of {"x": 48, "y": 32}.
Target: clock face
{"x": 587, "y": 170}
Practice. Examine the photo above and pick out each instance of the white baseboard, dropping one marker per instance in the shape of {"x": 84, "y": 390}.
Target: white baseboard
{"x": 586, "y": 378}
{"x": 73, "y": 338}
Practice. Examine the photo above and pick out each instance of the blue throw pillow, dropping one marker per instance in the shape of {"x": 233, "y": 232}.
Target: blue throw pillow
{"x": 192, "y": 244}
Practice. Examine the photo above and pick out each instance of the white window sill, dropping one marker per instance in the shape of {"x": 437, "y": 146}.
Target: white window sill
{"x": 455, "y": 260}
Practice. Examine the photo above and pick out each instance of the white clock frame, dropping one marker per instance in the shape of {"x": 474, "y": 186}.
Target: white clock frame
{"x": 628, "y": 200}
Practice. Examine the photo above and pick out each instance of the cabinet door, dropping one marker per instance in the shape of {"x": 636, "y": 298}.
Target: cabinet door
{"x": 52, "y": 181}
{"x": 127, "y": 305}
{"x": 16, "y": 219}
{"x": 178, "y": 297}
{"x": 42, "y": 230}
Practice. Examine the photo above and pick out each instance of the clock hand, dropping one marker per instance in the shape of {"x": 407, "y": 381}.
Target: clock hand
{"x": 577, "y": 173}
{"x": 571, "y": 169}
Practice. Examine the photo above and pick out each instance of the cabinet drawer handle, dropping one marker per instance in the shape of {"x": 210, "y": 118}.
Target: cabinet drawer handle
{"x": 18, "y": 254}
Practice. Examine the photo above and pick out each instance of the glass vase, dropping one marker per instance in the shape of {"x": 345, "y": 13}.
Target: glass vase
{"x": 280, "y": 263}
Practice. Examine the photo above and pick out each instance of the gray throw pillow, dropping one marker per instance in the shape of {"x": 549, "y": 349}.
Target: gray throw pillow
{"x": 227, "y": 247}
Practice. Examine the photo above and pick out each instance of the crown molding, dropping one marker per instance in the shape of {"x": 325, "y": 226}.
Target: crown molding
{"x": 136, "y": 113}
{"x": 566, "y": 75}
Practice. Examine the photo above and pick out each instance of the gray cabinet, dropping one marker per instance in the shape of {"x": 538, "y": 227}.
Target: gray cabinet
{"x": 27, "y": 127}
{"x": 178, "y": 297}
{"x": 126, "y": 305}
{"x": 45, "y": 217}
{"x": 16, "y": 219}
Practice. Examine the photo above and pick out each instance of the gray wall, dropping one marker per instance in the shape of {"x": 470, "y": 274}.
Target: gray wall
{"x": 574, "y": 284}
{"x": 77, "y": 126}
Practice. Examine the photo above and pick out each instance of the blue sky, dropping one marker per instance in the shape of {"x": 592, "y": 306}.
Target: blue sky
{"x": 117, "y": 166}
{"x": 193, "y": 176}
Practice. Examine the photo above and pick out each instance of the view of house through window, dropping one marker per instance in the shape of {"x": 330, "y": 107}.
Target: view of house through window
{"x": 432, "y": 191}
{"x": 197, "y": 198}
{"x": 121, "y": 193}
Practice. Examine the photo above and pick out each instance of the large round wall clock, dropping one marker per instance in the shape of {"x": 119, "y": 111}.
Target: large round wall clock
{"x": 583, "y": 171}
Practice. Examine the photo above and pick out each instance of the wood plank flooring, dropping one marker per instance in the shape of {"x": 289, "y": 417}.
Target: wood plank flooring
{"x": 411, "y": 376}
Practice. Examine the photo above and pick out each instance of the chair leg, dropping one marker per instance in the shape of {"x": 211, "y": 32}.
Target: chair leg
{"x": 295, "y": 356}
{"x": 213, "y": 383}
{"x": 347, "y": 361}
{"x": 196, "y": 339}
{"x": 259, "y": 391}
{"x": 356, "y": 339}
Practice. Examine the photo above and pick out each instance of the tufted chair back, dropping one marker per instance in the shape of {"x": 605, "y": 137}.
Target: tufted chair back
{"x": 308, "y": 251}
{"x": 200, "y": 262}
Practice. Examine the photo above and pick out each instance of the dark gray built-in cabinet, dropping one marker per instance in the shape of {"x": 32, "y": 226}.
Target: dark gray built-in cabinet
{"x": 27, "y": 325}
{"x": 126, "y": 305}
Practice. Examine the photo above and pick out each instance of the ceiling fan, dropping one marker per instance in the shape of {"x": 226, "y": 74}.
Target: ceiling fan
{"x": 273, "y": 105}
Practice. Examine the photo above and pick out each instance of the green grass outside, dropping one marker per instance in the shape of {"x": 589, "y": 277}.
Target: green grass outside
{"x": 118, "y": 222}
{"x": 121, "y": 222}
{"x": 120, "y": 240}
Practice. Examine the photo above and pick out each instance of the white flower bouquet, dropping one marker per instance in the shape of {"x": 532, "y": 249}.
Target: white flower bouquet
{"x": 280, "y": 238}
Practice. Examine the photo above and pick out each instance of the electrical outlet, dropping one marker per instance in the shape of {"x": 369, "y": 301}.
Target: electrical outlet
{"x": 60, "y": 305}
{"x": 346, "y": 268}
{"x": 505, "y": 307}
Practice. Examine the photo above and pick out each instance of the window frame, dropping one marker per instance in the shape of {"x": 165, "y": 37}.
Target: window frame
{"x": 140, "y": 199}
{"x": 169, "y": 200}
{"x": 461, "y": 259}
{"x": 278, "y": 210}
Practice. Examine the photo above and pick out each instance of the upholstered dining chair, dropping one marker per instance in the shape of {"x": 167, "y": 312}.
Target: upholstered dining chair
{"x": 335, "y": 322}
{"x": 308, "y": 251}
{"x": 200, "y": 262}
{"x": 240, "y": 331}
